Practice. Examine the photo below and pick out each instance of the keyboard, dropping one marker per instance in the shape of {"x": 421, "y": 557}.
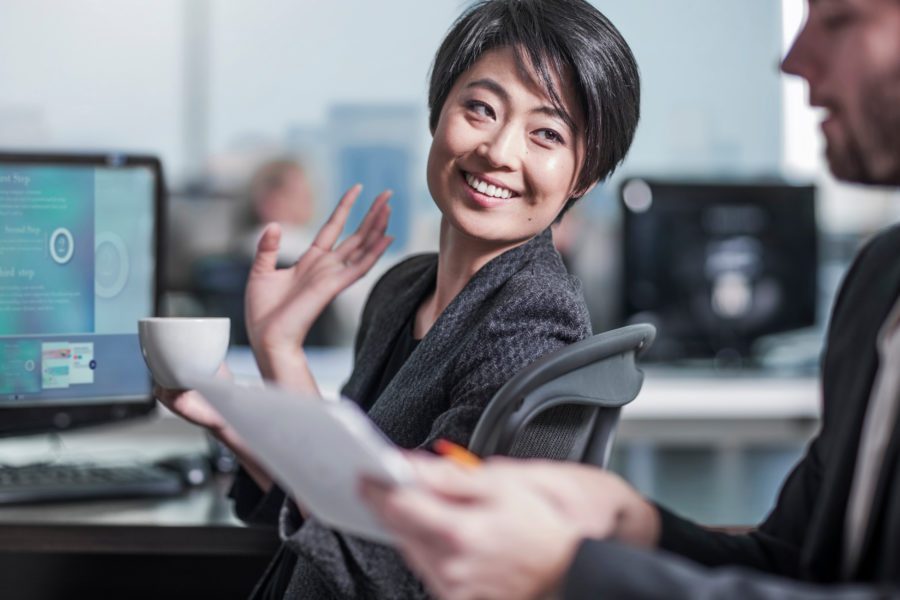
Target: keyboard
{"x": 61, "y": 482}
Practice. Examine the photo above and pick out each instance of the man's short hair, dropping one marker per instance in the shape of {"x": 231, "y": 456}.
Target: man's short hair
{"x": 563, "y": 37}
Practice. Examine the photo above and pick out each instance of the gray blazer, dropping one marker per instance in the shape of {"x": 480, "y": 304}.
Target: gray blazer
{"x": 517, "y": 308}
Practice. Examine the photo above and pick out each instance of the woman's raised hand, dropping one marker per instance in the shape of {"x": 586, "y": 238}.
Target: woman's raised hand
{"x": 282, "y": 304}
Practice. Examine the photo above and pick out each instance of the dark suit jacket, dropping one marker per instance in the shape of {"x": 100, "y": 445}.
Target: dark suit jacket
{"x": 802, "y": 538}
{"x": 517, "y": 308}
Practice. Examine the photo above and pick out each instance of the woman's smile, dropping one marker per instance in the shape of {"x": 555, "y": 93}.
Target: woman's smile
{"x": 485, "y": 191}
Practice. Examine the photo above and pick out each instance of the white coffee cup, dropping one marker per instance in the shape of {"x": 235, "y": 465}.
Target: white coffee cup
{"x": 177, "y": 350}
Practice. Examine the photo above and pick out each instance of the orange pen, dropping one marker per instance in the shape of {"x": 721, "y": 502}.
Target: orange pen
{"x": 456, "y": 453}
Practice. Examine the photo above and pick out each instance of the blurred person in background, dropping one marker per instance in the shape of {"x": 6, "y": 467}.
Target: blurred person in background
{"x": 279, "y": 192}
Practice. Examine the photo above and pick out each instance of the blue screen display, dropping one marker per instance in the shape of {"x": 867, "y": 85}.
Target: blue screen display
{"x": 77, "y": 271}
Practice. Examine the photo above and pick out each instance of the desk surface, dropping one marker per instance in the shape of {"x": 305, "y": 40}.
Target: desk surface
{"x": 197, "y": 522}
{"x": 201, "y": 521}
{"x": 668, "y": 393}
{"x": 184, "y": 547}
{"x": 126, "y": 543}
{"x": 694, "y": 395}
{"x": 676, "y": 406}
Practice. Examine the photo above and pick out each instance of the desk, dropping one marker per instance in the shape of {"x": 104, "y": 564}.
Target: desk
{"x": 190, "y": 546}
{"x": 693, "y": 407}
{"x": 715, "y": 446}
{"x": 676, "y": 405}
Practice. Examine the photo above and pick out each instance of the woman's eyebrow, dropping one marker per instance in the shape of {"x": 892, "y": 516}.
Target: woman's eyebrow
{"x": 557, "y": 113}
{"x": 491, "y": 86}
{"x": 551, "y": 111}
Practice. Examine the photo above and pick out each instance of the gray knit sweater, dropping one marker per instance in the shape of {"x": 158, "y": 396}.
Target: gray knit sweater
{"x": 518, "y": 307}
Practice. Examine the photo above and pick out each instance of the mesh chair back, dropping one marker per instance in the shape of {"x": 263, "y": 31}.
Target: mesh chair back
{"x": 566, "y": 405}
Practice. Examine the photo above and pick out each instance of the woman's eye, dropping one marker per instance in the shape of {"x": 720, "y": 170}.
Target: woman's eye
{"x": 481, "y": 109}
{"x": 550, "y": 135}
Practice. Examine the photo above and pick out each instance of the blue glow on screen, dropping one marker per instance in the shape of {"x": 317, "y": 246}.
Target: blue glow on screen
{"x": 77, "y": 271}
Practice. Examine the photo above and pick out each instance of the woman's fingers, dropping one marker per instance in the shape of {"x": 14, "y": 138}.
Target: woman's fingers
{"x": 374, "y": 236}
{"x": 379, "y": 226}
{"x": 370, "y": 223}
{"x": 353, "y": 257}
{"x": 332, "y": 228}
{"x": 372, "y": 215}
{"x": 366, "y": 261}
{"x": 266, "y": 257}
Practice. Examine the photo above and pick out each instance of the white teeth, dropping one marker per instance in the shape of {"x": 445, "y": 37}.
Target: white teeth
{"x": 487, "y": 189}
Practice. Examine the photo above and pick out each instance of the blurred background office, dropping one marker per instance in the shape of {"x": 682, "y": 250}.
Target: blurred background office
{"x": 220, "y": 89}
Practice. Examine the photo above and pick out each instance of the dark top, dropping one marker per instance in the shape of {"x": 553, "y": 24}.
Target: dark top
{"x": 518, "y": 307}
{"x": 404, "y": 345}
{"x": 799, "y": 547}
{"x": 275, "y": 582}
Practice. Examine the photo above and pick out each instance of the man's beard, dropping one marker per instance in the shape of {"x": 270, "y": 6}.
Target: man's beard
{"x": 871, "y": 152}
{"x": 846, "y": 160}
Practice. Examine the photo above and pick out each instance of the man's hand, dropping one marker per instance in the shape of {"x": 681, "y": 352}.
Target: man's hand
{"x": 601, "y": 503}
{"x": 508, "y": 529}
{"x": 476, "y": 532}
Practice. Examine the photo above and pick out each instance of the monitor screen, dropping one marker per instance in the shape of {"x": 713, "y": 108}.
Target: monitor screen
{"x": 78, "y": 248}
{"x": 716, "y": 265}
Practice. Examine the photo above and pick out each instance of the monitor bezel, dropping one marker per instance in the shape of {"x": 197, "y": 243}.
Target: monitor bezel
{"x": 803, "y": 188}
{"x": 25, "y": 420}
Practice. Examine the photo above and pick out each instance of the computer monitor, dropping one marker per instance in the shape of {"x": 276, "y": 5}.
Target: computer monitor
{"x": 79, "y": 241}
{"x": 716, "y": 265}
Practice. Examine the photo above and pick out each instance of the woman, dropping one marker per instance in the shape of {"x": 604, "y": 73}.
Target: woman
{"x": 531, "y": 104}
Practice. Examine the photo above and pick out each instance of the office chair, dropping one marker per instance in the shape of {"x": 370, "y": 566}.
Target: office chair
{"x": 566, "y": 405}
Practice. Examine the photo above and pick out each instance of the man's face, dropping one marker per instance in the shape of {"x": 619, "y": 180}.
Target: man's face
{"x": 849, "y": 52}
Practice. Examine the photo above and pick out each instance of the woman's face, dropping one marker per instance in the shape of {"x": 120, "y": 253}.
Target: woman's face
{"x": 504, "y": 161}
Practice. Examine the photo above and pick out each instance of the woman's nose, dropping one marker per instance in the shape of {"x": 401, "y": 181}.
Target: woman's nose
{"x": 502, "y": 149}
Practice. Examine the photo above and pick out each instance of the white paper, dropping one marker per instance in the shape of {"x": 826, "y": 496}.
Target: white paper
{"x": 316, "y": 450}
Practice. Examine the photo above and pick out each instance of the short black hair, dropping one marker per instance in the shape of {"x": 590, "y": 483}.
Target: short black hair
{"x": 563, "y": 37}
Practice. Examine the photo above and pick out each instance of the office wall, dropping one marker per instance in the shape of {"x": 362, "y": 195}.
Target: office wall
{"x": 156, "y": 75}
{"x": 710, "y": 82}
{"x": 711, "y": 93}
{"x": 92, "y": 74}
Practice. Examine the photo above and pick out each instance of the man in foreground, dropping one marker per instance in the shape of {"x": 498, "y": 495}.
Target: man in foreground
{"x": 518, "y": 529}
